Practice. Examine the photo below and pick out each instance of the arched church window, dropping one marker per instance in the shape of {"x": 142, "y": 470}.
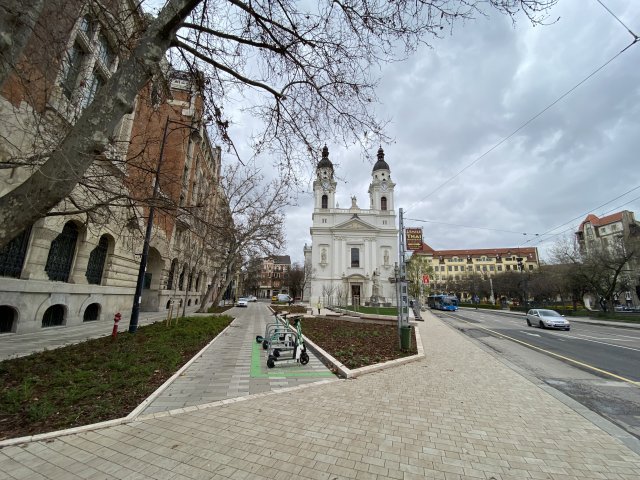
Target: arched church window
{"x": 61, "y": 253}
{"x": 97, "y": 258}
{"x": 325, "y": 201}
{"x": 12, "y": 255}
{"x": 383, "y": 203}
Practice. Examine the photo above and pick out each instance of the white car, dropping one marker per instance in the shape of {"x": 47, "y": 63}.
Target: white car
{"x": 544, "y": 318}
{"x": 252, "y": 298}
{"x": 242, "y": 302}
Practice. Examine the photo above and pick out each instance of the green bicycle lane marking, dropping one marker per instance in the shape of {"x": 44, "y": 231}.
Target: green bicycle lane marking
{"x": 259, "y": 367}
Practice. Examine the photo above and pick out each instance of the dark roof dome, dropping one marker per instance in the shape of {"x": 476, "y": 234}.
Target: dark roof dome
{"x": 324, "y": 161}
{"x": 380, "y": 164}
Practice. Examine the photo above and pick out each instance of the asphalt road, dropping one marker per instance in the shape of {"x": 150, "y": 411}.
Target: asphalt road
{"x": 596, "y": 365}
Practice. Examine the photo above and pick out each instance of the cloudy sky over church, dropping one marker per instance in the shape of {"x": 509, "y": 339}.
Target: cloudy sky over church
{"x": 480, "y": 143}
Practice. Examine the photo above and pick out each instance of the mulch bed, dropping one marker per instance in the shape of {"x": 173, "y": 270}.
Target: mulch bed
{"x": 356, "y": 344}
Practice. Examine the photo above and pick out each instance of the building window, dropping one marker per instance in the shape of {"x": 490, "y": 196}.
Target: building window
{"x": 61, "y": 253}
{"x": 172, "y": 274}
{"x": 383, "y": 203}
{"x": 53, "y": 316}
{"x": 477, "y": 268}
{"x": 91, "y": 313}
{"x": 97, "y": 258}
{"x": 530, "y": 267}
{"x": 507, "y": 267}
{"x": 12, "y": 255}
{"x": 88, "y": 64}
{"x": 491, "y": 268}
{"x": 450, "y": 268}
{"x": 499, "y": 268}
{"x": 355, "y": 257}
{"x": 325, "y": 201}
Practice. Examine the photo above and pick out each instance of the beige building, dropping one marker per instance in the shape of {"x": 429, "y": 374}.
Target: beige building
{"x": 458, "y": 265}
{"x": 80, "y": 263}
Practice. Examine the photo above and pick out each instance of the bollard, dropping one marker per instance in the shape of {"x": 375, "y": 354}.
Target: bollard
{"x": 116, "y": 319}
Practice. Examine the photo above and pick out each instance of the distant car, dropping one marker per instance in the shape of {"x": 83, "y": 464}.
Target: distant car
{"x": 252, "y": 298}
{"x": 544, "y": 318}
{"x": 242, "y": 302}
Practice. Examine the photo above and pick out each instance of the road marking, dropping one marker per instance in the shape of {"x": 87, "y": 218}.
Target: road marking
{"x": 609, "y": 344}
{"x": 568, "y": 359}
{"x": 532, "y": 334}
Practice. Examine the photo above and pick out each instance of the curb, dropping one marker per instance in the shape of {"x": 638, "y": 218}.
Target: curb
{"x": 348, "y": 373}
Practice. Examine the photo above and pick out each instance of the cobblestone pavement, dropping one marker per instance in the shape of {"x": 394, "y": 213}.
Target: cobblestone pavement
{"x": 458, "y": 413}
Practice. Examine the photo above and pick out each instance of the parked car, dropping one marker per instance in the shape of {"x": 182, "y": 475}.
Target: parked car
{"x": 242, "y": 302}
{"x": 544, "y": 318}
{"x": 252, "y": 298}
{"x": 283, "y": 297}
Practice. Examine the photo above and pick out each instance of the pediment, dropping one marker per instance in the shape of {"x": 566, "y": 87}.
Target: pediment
{"x": 355, "y": 224}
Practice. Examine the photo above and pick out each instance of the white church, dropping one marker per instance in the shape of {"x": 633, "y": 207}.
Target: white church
{"x": 353, "y": 250}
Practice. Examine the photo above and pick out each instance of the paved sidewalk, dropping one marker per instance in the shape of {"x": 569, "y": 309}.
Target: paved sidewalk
{"x": 459, "y": 413}
{"x": 235, "y": 366}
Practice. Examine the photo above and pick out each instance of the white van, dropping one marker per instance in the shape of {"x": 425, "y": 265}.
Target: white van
{"x": 283, "y": 297}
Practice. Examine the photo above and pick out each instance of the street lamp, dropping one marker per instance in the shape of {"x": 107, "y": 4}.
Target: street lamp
{"x": 135, "y": 310}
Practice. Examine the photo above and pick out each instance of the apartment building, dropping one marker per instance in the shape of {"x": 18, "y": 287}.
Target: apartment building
{"x": 274, "y": 274}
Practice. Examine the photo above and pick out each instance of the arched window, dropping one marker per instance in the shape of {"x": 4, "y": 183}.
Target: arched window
{"x": 8, "y": 317}
{"x": 97, "y": 258}
{"x": 172, "y": 274}
{"x": 383, "y": 203}
{"x": 181, "y": 278}
{"x": 13, "y": 254}
{"x": 325, "y": 201}
{"x": 53, "y": 316}
{"x": 92, "y": 312}
{"x": 61, "y": 253}
{"x": 190, "y": 282}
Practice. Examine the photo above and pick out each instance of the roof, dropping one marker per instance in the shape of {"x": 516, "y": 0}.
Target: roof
{"x": 324, "y": 161}
{"x": 380, "y": 164}
{"x": 598, "y": 222}
{"x": 281, "y": 259}
{"x": 478, "y": 252}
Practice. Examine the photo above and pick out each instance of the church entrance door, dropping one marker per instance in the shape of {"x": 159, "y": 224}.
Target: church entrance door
{"x": 355, "y": 295}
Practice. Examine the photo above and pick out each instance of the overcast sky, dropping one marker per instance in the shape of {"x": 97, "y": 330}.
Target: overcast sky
{"x": 456, "y": 106}
{"x": 451, "y": 104}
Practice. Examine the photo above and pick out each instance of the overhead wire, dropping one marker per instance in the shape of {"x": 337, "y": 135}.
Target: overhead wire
{"x": 537, "y": 115}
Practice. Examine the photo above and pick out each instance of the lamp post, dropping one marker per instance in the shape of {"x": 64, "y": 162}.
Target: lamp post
{"x": 135, "y": 310}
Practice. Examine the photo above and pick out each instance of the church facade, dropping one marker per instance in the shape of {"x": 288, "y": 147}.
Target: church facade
{"x": 353, "y": 250}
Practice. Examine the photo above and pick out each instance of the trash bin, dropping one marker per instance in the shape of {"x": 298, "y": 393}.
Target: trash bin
{"x": 405, "y": 338}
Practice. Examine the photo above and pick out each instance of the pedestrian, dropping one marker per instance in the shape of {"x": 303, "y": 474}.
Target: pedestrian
{"x": 318, "y": 305}
{"x": 290, "y": 301}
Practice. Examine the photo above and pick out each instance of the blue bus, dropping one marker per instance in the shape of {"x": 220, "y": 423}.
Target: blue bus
{"x": 443, "y": 302}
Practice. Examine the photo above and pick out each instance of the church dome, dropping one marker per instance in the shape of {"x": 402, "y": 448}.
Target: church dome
{"x": 380, "y": 164}
{"x": 324, "y": 161}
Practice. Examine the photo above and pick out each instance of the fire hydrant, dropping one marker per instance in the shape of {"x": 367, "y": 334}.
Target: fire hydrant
{"x": 116, "y": 319}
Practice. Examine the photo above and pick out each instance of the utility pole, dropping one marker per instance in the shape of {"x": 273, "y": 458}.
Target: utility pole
{"x": 401, "y": 283}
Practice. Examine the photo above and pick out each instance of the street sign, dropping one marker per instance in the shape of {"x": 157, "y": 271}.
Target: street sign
{"x": 414, "y": 238}
{"x": 425, "y": 279}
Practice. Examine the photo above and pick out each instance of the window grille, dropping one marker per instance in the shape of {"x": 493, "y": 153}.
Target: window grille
{"x": 13, "y": 254}
{"x": 92, "y": 313}
{"x": 97, "y": 258}
{"x": 61, "y": 253}
{"x": 53, "y": 316}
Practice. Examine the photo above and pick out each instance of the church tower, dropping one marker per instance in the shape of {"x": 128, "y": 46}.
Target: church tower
{"x": 353, "y": 249}
{"x": 381, "y": 187}
{"x": 324, "y": 186}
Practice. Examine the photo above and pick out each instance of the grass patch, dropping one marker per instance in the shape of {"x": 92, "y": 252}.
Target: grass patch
{"x": 219, "y": 308}
{"x": 291, "y": 309}
{"x": 96, "y": 380}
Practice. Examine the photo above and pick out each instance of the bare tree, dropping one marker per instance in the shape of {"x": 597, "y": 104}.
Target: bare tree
{"x": 251, "y": 225}
{"x": 309, "y": 64}
{"x": 602, "y": 268}
{"x": 295, "y": 280}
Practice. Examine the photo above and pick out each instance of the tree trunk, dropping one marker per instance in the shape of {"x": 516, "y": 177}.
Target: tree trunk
{"x": 89, "y": 137}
